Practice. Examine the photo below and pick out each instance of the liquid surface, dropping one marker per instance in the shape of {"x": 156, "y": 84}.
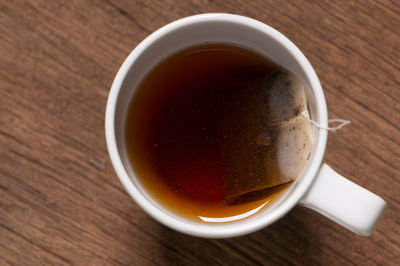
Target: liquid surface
{"x": 177, "y": 129}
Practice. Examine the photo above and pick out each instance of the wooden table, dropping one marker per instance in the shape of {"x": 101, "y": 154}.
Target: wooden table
{"x": 62, "y": 203}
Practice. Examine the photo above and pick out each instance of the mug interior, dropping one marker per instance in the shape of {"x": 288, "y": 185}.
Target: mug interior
{"x": 201, "y": 29}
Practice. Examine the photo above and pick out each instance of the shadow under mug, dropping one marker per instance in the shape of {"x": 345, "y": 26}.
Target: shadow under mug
{"x": 318, "y": 187}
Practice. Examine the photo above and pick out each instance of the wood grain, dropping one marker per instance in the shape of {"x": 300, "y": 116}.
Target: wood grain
{"x": 60, "y": 201}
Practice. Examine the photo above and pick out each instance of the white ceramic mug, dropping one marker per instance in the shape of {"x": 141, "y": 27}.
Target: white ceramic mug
{"x": 319, "y": 187}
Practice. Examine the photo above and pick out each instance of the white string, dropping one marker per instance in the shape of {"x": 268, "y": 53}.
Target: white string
{"x": 342, "y": 122}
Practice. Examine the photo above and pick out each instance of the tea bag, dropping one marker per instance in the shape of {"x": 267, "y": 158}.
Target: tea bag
{"x": 266, "y": 135}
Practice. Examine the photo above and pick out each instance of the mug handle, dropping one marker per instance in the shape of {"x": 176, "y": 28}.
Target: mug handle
{"x": 344, "y": 202}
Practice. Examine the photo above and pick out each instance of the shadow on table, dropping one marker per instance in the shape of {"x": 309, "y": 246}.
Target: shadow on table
{"x": 290, "y": 240}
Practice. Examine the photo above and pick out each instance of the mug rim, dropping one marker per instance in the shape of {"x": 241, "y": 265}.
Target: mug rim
{"x": 234, "y": 229}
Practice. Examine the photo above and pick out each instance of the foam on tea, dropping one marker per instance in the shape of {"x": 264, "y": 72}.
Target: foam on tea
{"x": 214, "y": 132}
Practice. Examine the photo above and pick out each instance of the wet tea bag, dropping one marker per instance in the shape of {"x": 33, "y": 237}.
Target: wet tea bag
{"x": 267, "y": 136}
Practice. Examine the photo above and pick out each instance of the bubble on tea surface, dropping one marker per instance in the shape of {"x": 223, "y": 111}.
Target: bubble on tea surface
{"x": 267, "y": 137}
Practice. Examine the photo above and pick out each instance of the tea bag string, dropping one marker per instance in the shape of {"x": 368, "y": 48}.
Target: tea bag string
{"x": 342, "y": 122}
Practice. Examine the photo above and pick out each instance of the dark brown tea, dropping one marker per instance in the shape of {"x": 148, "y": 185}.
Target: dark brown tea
{"x": 194, "y": 138}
